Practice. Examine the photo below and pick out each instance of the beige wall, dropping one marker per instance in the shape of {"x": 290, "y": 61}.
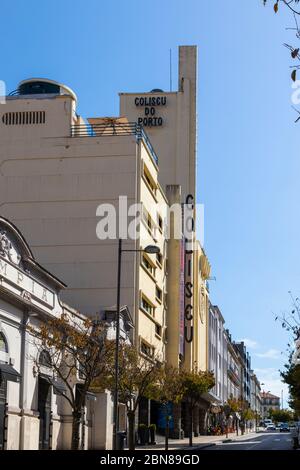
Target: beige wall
{"x": 201, "y": 300}
{"x": 175, "y": 140}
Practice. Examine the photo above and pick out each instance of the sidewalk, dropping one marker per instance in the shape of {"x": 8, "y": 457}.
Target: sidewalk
{"x": 200, "y": 442}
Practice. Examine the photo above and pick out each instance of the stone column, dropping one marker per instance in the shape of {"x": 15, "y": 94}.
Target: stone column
{"x": 175, "y": 432}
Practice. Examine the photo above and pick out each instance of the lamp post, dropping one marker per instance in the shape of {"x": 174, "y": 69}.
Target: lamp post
{"x": 151, "y": 249}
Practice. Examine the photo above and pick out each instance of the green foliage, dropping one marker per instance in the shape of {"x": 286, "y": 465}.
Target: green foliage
{"x": 142, "y": 427}
{"x": 168, "y": 386}
{"x": 136, "y": 376}
{"x": 281, "y": 416}
{"x": 195, "y": 384}
{"x": 291, "y": 376}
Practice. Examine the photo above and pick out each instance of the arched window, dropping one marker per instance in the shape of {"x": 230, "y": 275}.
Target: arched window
{"x": 45, "y": 359}
{"x": 3, "y": 344}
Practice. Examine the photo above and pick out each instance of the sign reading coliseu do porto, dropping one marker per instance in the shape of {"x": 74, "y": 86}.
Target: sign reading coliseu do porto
{"x": 150, "y": 106}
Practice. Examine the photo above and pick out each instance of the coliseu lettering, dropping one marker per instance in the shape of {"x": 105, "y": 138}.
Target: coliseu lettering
{"x": 150, "y": 104}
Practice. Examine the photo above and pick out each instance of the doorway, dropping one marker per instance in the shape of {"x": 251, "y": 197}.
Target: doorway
{"x": 2, "y": 411}
{"x": 44, "y": 408}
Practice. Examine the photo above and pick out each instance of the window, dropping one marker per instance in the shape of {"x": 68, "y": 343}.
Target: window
{"x": 158, "y": 330}
{"x": 148, "y": 266}
{"x": 147, "y": 306}
{"x": 3, "y": 344}
{"x": 45, "y": 359}
{"x": 149, "y": 180}
{"x": 158, "y": 294}
{"x": 160, "y": 222}
{"x": 147, "y": 349}
{"x": 159, "y": 258}
{"x": 148, "y": 221}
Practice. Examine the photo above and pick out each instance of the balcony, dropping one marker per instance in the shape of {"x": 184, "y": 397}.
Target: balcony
{"x": 233, "y": 376}
{"x": 108, "y": 127}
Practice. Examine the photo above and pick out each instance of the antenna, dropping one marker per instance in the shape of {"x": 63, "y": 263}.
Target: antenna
{"x": 170, "y": 69}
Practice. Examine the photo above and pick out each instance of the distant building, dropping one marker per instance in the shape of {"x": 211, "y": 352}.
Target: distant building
{"x": 256, "y": 403}
{"x": 234, "y": 370}
{"x": 246, "y": 375}
{"x": 217, "y": 351}
{"x": 269, "y": 402}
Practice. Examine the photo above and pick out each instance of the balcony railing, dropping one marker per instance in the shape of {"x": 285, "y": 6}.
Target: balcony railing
{"x": 233, "y": 375}
{"x": 114, "y": 129}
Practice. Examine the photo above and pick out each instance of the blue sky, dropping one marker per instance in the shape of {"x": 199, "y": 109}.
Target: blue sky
{"x": 248, "y": 152}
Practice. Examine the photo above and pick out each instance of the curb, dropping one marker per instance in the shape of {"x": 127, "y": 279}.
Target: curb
{"x": 199, "y": 447}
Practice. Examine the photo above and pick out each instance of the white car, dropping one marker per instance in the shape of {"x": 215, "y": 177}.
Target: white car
{"x": 270, "y": 427}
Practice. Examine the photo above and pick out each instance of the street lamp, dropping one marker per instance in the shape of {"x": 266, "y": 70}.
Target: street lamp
{"x": 150, "y": 249}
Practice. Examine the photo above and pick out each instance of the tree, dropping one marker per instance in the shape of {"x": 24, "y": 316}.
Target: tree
{"x": 293, "y": 6}
{"x": 291, "y": 376}
{"x": 290, "y": 321}
{"x": 137, "y": 374}
{"x": 77, "y": 352}
{"x": 281, "y": 416}
{"x": 195, "y": 383}
{"x": 241, "y": 406}
{"x": 168, "y": 389}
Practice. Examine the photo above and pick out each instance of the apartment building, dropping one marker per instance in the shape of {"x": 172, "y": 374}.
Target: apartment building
{"x": 217, "y": 352}
{"x": 234, "y": 369}
{"x": 269, "y": 402}
{"x": 61, "y": 180}
{"x": 246, "y": 371}
{"x": 256, "y": 402}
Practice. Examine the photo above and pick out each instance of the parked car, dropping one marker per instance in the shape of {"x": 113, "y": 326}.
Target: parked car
{"x": 267, "y": 422}
{"x": 284, "y": 427}
{"x": 271, "y": 427}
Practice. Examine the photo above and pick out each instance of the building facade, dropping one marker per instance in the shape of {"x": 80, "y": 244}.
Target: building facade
{"x": 256, "y": 401}
{"x": 246, "y": 371}
{"x": 234, "y": 370}
{"x": 32, "y": 414}
{"x": 269, "y": 402}
{"x": 74, "y": 187}
{"x": 217, "y": 346}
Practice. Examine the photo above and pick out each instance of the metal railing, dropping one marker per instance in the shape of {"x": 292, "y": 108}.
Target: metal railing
{"x": 112, "y": 128}
{"x": 232, "y": 373}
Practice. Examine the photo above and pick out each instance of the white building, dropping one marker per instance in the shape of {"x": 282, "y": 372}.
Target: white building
{"x": 33, "y": 414}
{"x": 217, "y": 347}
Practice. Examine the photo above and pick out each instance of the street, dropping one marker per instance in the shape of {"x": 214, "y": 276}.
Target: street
{"x": 263, "y": 441}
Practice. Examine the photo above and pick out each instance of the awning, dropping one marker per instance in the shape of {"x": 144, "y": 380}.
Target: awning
{"x": 58, "y": 388}
{"x": 9, "y": 373}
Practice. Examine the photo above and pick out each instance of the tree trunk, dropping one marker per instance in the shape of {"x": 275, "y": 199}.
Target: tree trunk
{"x": 131, "y": 436}
{"x": 191, "y": 426}
{"x": 167, "y": 432}
{"x": 76, "y": 430}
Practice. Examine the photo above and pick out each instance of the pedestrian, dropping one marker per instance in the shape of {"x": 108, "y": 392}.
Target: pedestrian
{"x": 295, "y": 436}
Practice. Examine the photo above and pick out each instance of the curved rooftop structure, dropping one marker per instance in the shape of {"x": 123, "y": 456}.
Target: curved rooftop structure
{"x": 40, "y": 86}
